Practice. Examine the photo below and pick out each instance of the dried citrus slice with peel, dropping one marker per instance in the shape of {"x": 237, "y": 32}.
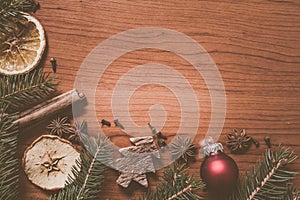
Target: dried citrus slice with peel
{"x": 48, "y": 162}
{"x": 22, "y": 50}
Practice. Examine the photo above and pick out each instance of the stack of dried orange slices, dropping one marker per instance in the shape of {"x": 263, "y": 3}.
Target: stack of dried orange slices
{"x": 22, "y": 51}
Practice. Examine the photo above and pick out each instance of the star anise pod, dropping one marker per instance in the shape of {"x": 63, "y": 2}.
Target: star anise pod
{"x": 77, "y": 132}
{"x": 182, "y": 147}
{"x": 61, "y": 127}
{"x": 238, "y": 141}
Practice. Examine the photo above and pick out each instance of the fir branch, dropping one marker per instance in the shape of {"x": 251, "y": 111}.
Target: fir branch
{"x": 9, "y": 165}
{"x": 13, "y": 7}
{"x": 180, "y": 193}
{"x": 12, "y": 11}
{"x": 89, "y": 172}
{"x": 176, "y": 184}
{"x": 20, "y": 90}
{"x": 268, "y": 178}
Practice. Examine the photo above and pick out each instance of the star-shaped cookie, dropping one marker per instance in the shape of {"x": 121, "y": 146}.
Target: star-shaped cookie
{"x": 137, "y": 161}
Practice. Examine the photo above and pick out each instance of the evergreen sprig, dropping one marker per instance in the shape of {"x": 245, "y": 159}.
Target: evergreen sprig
{"x": 9, "y": 164}
{"x": 269, "y": 178}
{"x": 21, "y": 90}
{"x": 88, "y": 172}
{"x": 176, "y": 184}
{"x": 11, "y": 12}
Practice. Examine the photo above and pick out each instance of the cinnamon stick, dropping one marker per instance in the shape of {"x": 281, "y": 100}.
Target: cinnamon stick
{"x": 49, "y": 107}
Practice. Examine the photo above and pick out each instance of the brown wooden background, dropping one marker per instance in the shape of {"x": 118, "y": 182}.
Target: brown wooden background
{"x": 255, "y": 44}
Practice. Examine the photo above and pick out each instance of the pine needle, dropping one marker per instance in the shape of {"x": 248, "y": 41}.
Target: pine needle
{"x": 176, "y": 184}
{"x": 9, "y": 164}
{"x": 89, "y": 174}
{"x": 269, "y": 178}
{"x": 21, "y": 90}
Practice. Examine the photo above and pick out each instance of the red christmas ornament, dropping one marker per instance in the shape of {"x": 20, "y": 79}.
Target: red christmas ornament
{"x": 218, "y": 171}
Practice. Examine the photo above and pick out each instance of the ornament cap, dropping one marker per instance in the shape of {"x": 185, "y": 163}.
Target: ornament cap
{"x": 210, "y": 146}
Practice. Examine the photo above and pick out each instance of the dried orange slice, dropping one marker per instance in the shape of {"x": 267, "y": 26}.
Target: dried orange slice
{"x": 22, "y": 50}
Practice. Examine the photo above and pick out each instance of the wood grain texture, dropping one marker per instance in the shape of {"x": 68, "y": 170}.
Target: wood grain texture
{"x": 255, "y": 44}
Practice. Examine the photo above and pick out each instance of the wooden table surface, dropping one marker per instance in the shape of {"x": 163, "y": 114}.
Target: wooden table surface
{"x": 255, "y": 45}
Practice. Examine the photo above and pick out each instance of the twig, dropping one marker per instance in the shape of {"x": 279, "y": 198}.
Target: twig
{"x": 49, "y": 107}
